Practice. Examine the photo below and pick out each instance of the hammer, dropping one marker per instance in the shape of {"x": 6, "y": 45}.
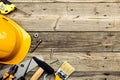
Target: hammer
{"x": 44, "y": 67}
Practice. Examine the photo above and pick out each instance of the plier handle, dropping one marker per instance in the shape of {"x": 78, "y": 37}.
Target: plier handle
{"x": 10, "y": 74}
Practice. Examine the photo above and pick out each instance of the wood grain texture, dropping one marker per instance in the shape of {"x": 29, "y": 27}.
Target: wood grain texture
{"x": 77, "y": 23}
{"x": 79, "y": 9}
{"x": 67, "y": 17}
{"x": 65, "y": 0}
{"x": 86, "y": 76}
{"x": 37, "y": 23}
{"x": 66, "y": 23}
{"x": 84, "y": 61}
{"x": 94, "y": 9}
{"x": 42, "y": 8}
{"x": 77, "y": 41}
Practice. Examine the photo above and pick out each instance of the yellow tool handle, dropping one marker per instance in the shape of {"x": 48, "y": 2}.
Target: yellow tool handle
{"x": 6, "y": 74}
{"x": 57, "y": 77}
{"x": 11, "y": 77}
{"x": 37, "y": 74}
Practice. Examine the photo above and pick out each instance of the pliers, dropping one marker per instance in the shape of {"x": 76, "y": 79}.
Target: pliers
{"x": 10, "y": 74}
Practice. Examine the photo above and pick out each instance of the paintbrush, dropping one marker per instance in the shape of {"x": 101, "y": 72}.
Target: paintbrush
{"x": 64, "y": 71}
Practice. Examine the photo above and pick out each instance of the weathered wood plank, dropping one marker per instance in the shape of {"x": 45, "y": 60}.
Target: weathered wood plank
{"x": 79, "y": 9}
{"x": 37, "y": 23}
{"x": 78, "y": 23}
{"x": 94, "y": 78}
{"x": 86, "y": 76}
{"x": 68, "y": 17}
{"x": 94, "y": 9}
{"x": 66, "y": 23}
{"x": 43, "y": 8}
{"x": 77, "y": 41}
{"x": 65, "y": 0}
{"x": 85, "y": 61}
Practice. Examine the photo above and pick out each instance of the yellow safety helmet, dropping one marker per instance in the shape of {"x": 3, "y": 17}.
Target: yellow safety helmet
{"x": 14, "y": 42}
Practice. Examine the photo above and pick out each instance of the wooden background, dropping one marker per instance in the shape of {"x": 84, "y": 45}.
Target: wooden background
{"x": 83, "y": 32}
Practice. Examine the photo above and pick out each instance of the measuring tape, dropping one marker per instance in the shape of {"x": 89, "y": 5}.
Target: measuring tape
{"x": 6, "y": 7}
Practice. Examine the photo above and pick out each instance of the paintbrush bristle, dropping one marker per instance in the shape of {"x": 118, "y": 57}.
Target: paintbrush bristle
{"x": 65, "y": 70}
